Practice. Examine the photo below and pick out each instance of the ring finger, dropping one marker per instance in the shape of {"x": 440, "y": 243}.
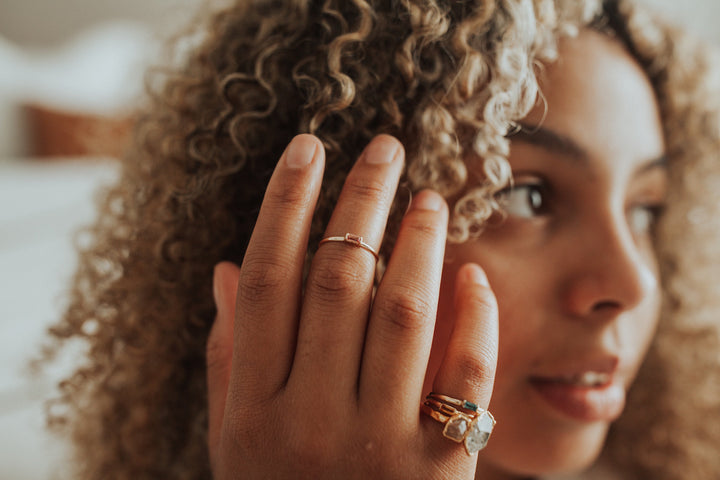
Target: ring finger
{"x": 339, "y": 287}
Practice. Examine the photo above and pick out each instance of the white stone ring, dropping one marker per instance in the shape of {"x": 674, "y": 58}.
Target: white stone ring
{"x": 354, "y": 240}
{"x": 471, "y": 429}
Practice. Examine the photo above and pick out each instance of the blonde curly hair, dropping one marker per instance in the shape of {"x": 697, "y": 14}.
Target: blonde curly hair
{"x": 450, "y": 79}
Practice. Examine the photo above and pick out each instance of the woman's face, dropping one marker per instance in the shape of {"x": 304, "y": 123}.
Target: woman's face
{"x": 572, "y": 265}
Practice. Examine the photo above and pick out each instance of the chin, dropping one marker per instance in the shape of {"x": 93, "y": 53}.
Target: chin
{"x": 545, "y": 453}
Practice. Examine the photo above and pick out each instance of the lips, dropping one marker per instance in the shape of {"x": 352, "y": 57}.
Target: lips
{"x": 585, "y": 379}
{"x": 590, "y": 394}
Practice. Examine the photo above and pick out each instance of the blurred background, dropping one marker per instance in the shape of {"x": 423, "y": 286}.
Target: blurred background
{"x": 68, "y": 68}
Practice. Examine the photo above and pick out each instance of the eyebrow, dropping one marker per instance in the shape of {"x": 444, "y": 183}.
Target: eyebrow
{"x": 660, "y": 162}
{"x": 549, "y": 140}
{"x": 568, "y": 148}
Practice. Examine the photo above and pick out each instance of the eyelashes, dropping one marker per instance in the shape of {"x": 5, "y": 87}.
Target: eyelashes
{"x": 643, "y": 218}
{"x": 535, "y": 198}
{"x": 525, "y": 199}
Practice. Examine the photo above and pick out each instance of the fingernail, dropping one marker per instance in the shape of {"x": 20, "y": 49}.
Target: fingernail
{"x": 427, "y": 200}
{"x": 381, "y": 151}
{"x": 300, "y": 152}
{"x": 475, "y": 274}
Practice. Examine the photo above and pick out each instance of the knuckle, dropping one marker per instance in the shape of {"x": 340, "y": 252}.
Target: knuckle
{"x": 292, "y": 197}
{"x": 240, "y": 432}
{"x": 370, "y": 448}
{"x": 475, "y": 370}
{"x": 482, "y": 304}
{"x": 331, "y": 279}
{"x": 407, "y": 313}
{"x": 259, "y": 279}
{"x": 367, "y": 189}
{"x": 312, "y": 448}
{"x": 425, "y": 225}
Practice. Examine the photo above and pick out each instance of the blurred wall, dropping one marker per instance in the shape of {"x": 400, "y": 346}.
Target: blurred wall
{"x": 699, "y": 16}
{"x": 86, "y": 57}
{"x": 44, "y": 22}
{"x": 32, "y": 22}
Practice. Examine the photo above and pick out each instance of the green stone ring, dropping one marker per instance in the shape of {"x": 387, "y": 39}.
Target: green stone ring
{"x": 466, "y": 404}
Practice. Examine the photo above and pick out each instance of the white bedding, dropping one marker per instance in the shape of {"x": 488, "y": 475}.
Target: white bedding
{"x": 41, "y": 205}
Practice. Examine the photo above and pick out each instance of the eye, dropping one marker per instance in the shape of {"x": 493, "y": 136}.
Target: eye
{"x": 525, "y": 200}
{"x": 642, "y": 218}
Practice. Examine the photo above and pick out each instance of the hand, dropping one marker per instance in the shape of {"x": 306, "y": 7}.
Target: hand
{"x": 325, "y": 382}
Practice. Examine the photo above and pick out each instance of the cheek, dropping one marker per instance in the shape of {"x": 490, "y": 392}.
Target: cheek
{"x": 636, "y": 330}
{"x": 523, "y": 303}
{"x": 522, "y": 294}
{"x": 639, "y": 333}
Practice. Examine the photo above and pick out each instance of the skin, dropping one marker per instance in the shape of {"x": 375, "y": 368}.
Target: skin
{"x": 320, "y": 383}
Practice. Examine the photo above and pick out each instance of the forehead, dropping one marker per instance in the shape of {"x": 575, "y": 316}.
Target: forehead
{"x": 597, "y": 95}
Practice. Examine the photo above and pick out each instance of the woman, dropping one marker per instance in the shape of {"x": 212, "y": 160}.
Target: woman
{"x": 535, "y": 144}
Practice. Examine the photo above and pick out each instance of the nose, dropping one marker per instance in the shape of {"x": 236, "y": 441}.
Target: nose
{"x": 612, "y": 271}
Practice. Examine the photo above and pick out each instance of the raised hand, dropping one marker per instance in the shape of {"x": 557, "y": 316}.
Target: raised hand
{"x": 325, "y": 381}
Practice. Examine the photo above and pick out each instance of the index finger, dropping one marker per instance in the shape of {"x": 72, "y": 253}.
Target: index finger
{"x": 269, "y": 286}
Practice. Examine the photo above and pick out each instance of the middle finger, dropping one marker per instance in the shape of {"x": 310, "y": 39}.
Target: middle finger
{"x": 339, "y": 287}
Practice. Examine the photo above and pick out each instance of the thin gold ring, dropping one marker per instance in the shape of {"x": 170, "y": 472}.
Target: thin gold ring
{"x": 446, "y": 409}
{"x": 354, "y": 240}
{"x": 466, "y": 404}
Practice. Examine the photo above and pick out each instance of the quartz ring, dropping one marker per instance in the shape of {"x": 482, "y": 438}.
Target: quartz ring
{"x": 351, "y": 239}
{"x": 471, "y": 429}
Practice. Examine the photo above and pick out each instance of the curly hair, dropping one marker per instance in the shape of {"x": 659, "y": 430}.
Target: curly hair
{"x": 450, "y": 80}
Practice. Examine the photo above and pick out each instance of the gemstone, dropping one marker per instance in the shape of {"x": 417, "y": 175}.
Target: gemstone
{"x": 456, "y": 427}
{"x": 479, "y": 433}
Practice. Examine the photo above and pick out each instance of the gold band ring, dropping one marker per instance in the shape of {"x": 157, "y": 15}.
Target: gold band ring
{"x": 354, "y": 240}
{"x": 466, "y": 404}
{"x": 472, "y": 429}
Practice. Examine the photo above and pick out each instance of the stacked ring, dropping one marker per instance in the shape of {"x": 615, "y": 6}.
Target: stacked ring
{"x": 471, "y": 428}
{"x": 466, "y": 404}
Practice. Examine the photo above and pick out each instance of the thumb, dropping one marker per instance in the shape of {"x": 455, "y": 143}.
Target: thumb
{"x": 219, "y": 349}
